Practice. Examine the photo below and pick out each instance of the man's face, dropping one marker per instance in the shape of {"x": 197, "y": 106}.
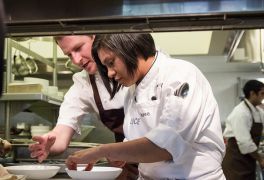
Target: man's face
{"x": 260, "y": 96}
{"x": 78, "y": 49}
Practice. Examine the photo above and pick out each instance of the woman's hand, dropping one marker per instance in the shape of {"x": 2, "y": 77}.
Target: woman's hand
{"x": 41, "y": 149}
{"x": 87, "y": 156}
{"x": 114, "y": 163}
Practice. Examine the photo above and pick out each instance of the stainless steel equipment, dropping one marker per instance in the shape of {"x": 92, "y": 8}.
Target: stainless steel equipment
{"x": 22, "y": 154}
{"x": 40, "y": 18}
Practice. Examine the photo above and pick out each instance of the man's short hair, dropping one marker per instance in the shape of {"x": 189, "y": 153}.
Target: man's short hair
{"x": 252, "y": 85}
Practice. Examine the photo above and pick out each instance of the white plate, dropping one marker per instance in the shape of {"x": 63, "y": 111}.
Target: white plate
{"x": 96, "y": 173}
{"x": 34, "y": 171}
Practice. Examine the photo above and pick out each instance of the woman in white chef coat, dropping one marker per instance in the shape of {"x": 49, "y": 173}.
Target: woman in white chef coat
{"x": 171, "y": 125}
{"x": 243, "y": 130}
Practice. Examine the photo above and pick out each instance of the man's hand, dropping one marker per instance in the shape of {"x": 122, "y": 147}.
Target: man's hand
{"x": 41, "y": 149}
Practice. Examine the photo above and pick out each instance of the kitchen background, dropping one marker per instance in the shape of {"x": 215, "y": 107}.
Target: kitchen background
{"x": 222, "y": 37}
{"x": 225, "y": 65}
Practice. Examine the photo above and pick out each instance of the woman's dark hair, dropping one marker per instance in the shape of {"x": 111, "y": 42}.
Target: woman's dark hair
{"x": 252, "y": 85}
{"x": 128, "y": 47}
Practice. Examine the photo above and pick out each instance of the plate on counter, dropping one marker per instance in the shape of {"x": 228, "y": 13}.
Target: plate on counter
{"x": 83, "y": 144}
{"x": 97, "y": 173}
{"x": 34, "y": 171}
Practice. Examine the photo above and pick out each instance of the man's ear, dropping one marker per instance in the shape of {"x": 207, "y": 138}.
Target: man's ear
{"x": 252, "y": 93}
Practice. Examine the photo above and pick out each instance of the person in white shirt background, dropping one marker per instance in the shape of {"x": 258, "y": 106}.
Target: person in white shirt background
{"x": 88, "y": 94}
{"x": 243, "y": 132}
{"x": 172, "y": 126}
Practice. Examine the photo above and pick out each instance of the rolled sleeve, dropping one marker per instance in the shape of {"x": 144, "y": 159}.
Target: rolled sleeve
{"x": 167, "y": 138}
{"x": 76, "y": 103}
{"x": 247, "y": 148}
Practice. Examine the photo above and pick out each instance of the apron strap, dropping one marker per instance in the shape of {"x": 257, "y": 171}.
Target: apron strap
{"x": 250, "y": 110}
{"x": 96, "y": 93}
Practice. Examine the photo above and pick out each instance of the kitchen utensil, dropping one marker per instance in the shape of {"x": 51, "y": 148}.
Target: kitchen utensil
{"x": 34, "y": 171}
{"x": 72, "y": 67}
{"x": 96, "y": 173}
{"x": 19, "y": 66}
{"x": 32, "y": 65}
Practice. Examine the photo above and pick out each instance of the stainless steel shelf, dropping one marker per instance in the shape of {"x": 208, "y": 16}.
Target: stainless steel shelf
{"x": 30, "y": 97}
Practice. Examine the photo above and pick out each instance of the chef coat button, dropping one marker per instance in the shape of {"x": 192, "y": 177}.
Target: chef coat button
{"x": 153, "y": 98}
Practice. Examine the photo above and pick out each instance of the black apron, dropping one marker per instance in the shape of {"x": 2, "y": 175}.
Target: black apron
{"x": 237, "y": 166}
{"x": 113, "y": 118}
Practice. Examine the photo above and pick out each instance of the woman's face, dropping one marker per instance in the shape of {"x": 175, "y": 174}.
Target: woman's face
{"x": 116, "y": 67}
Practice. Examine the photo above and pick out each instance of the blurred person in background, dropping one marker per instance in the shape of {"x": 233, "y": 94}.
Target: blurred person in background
{"x": 243, "y": 132}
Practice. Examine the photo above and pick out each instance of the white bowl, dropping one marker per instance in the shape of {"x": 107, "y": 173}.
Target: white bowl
{"x": 34, "y": 171}
{"x": 96, "y": 173}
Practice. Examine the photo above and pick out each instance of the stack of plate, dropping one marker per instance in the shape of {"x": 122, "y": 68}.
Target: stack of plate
{"x": 39, "y": 130}
{"x": 43, "y": 82}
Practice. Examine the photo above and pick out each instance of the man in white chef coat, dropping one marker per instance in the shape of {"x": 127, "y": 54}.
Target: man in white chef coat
{"x": 79, "y": 100}
{"x": 243, "y": 130}
{"x": 89, "y": 93}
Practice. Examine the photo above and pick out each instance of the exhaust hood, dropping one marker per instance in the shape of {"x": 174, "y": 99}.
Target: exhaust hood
{"x": 249, "y": 47}
{"x": 53, "y": 17}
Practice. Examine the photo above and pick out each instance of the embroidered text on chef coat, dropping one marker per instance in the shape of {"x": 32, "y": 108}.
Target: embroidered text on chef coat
{"x": 136, "y": 120}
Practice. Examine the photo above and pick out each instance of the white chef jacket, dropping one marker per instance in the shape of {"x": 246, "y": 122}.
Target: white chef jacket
{"x": 239, "y": 123}
{"x": 187, "y": 127}
{"x": 79, "y": 100}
